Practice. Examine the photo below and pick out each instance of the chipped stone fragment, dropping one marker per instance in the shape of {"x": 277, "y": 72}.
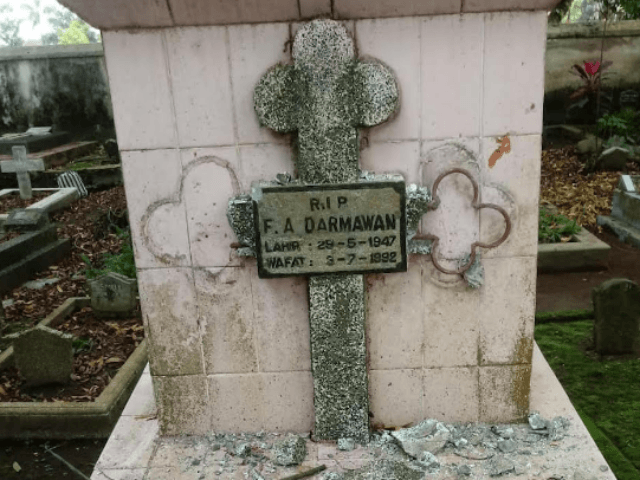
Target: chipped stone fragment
{"x": 385, "y": 470}
{"x": 500, "y": 466}
{"x": 464, "y": 470}
{"x": 502, "y": 431}
{"x": 429, "y": 435}
{"x": 346, "y": 444}
{"x": 536, "y": 421}
{"x": 461, "y": 442}
{"x": 428, "y": 461}
{"x": 243, "y": 450}
{"x": 290, "y": 451}
{"x": 507, "y": 446}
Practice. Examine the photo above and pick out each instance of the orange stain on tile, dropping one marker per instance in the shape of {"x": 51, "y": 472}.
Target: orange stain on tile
{"x": 505, "y": 147}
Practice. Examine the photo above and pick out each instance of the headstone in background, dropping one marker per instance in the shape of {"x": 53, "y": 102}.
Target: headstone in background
{"x": 614, "y": 158}
{"x": 113, "y": 295}
{"x": 26, "y": 220}
{"x": 616, "y": 306}
{"x": 43, "y": 356}
{"x": 629, "y": 99}
{"x": 21, "y": 167}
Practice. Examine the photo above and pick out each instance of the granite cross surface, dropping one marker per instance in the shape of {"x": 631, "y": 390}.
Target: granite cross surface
{"x": 325, "y": 96}
{"x": 21, "y": 167}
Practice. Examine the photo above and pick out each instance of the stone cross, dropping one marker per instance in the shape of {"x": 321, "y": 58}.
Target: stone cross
{"x": 21, "y": 167}
{"x": 325, "y": 96}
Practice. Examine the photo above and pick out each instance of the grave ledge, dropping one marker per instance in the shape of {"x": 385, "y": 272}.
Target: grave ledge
{"x": 61, "y": 198}
{"x": 71, "y": 420}
{"x": 588, "y": 252}
{"x": 120, "y": 14}
{"x": 136, "y": 435}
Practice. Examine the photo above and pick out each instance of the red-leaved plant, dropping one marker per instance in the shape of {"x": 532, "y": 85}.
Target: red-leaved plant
{"x": 591, "y": 74}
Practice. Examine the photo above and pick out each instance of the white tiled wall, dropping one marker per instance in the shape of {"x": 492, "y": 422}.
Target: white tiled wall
{"x": 183, "y": 102}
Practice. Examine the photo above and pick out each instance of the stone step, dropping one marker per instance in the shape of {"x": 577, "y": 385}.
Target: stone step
{"x": 20, "y": 272}
{"x": 21, "y": 246}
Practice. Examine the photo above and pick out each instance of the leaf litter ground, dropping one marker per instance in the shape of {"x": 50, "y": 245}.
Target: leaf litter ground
{"x": 91, "y": 224}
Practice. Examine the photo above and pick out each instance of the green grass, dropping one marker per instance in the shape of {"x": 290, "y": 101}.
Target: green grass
{"x": 564, "y": 316}
{"x": 606, "y": 393}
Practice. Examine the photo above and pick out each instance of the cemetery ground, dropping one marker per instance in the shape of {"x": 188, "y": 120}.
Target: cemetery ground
{"x": 93, "y": 224}
{"x": 600, "y": 390}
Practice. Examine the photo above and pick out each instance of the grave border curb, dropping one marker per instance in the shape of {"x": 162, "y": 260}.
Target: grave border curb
{"x": 60, "y": 198}
{"x": 588, "y": 252}
{"x": 25, "y": 420}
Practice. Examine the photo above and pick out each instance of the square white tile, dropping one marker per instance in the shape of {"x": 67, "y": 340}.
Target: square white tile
{"x": 199, "y": 69}
{"x": 156, "y": 210}
{"x": 140, "y": 91}
{"x": 254, "y": 49}
{"x": 403, "y": 57}
{"x": 451, "y": 76}
{"x": 514, "y": 67}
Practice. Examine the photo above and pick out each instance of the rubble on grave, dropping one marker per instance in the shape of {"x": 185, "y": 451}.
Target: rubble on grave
{"x": 430, "y": 449}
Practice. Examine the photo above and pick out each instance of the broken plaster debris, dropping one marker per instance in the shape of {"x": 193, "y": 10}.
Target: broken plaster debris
{"x": 433, "y": 450}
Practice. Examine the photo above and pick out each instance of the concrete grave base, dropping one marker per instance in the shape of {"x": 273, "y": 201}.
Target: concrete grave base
{"x": 71, "y": 420}
{"x": 587, "y": 252}
{"x": 136, "y": 450}
{"x": 625, "y": 232}
{"x": 58, "y": 156}
{"x": 59, "y": 199}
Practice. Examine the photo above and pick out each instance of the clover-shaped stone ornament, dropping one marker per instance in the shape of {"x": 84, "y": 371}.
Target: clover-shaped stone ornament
{"x": 470, "y": 260}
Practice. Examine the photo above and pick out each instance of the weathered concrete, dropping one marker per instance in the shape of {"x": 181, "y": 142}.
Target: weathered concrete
{"x": 71, "y": 420}
{"x": 60, "y": 198}
{"x": 587, "y": 252}
{"x": 616, "y": 305}
{"x": 113, "y": 295}
{"x": 136, "y": 448}
{"x": 22, "y": 269}
{"x": 43, "y": 356}
{"x": 625, "y": 206}
{"x": 64, "y": 86}
{"x": 625, "y": 232}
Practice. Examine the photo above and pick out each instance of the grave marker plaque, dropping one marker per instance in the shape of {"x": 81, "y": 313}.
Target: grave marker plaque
{"x": 340, "y": 228}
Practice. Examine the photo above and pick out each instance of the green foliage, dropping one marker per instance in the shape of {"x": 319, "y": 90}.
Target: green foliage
{"x": 60, "y": 19}
{"x": 623, "y": 124}
{"x": 9, "y": 27}
{"x": 82, "y": 345}
{"x": 553, "y": 228}
{"x": 606, "y": 393}
{"x": 122, "y": 263}
{"x": 563, "y": 316}
{"x": 75, "y": 34}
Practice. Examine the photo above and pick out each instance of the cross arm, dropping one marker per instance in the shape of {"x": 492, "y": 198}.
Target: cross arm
{"x": 275, "y": 99}
{"x": 11, "y": 166}
{"x": 377, "y": 91}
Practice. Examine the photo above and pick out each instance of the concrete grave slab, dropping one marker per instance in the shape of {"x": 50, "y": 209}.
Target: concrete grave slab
{"x": 585, "y": 252}
{"x": 59, "y": 156}
{"x": 33, "y": 142}
{"x": 23, "y": 220}
{"x": 137, "y": 446}
{"x": 67, "y": 420}
{"x": 60, "y": 198}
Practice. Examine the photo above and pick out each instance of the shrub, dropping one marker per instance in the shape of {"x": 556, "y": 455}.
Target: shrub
{"x": 555, "y": 228}
{"x": 122, "y": 262}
